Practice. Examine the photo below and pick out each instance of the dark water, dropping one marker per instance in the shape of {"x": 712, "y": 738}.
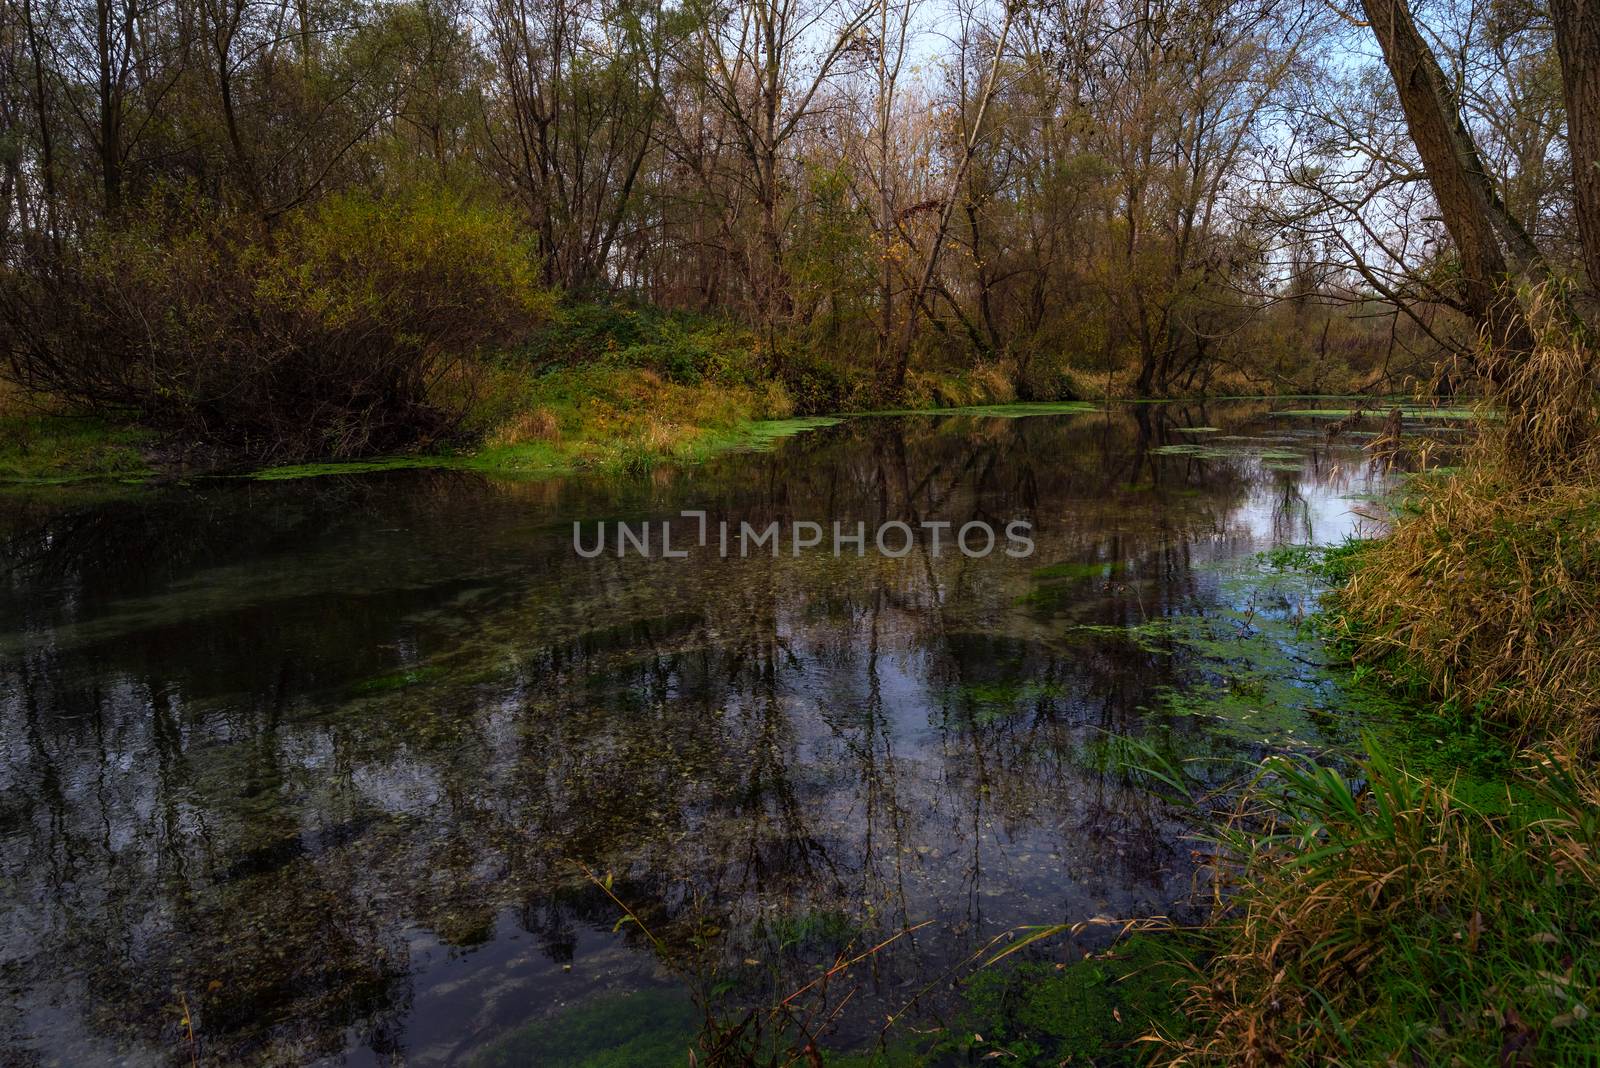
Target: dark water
{"x": 367, "y": 767}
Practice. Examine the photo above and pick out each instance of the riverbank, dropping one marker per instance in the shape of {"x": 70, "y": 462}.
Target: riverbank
{"x": 611, "y": 386}
{"x": 1427, "y": 891}
{"x": 599, "y": 419}
{"x": 602, "y": 418}
{"x": 40, "y": 443}
{"x": 1436, "y": 900}
{"x": 1429, "y": 895}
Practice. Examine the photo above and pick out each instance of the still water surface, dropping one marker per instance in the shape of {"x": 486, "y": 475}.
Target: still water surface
{"x": 345, "y": 765}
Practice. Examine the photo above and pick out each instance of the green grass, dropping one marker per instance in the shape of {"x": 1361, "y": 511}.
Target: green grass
{"x": 52, "y": 449}
{"x": 1387, "y": 918}
{"x": 1434, "y": 900}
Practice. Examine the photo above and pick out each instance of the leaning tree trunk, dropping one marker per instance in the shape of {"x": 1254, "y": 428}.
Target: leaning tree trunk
{"x": 1577, "y": 32}
{"x": 1460, "y": 184}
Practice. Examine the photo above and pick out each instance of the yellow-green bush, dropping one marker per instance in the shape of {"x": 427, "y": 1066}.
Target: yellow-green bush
{"x": 327, "y": 335}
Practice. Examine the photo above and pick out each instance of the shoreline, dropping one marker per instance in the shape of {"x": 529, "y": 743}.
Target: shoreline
{"x": 590, "y": 428}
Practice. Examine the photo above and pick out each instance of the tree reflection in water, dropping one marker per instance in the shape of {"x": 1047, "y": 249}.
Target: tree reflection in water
{"x": 327, "y": 760}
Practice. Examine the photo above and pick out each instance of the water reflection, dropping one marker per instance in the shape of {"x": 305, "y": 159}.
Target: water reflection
{"x": 326, "y": 762}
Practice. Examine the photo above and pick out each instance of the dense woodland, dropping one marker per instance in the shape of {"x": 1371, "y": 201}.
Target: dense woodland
{"x": 241, "y": 217}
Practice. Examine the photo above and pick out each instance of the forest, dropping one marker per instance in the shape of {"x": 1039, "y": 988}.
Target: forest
{"x": 277, "y": 231}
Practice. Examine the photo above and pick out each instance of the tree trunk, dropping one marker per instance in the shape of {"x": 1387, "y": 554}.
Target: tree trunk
{"x": 1577, "y": 32}
{"x": 110, "y": 112}
{"x": 1462, "y": 188}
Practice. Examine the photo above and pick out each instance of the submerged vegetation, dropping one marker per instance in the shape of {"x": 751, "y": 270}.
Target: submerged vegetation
{"x": 1406, "y": 908}
{"x": 521, "y": 237}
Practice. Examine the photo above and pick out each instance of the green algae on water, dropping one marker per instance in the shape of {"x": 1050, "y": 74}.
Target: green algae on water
{"x": 398, "y": 680}
{"x": 1406, "y": 411}
{"x": 646, "y": 1027}
{"x": 1020, "y": 410}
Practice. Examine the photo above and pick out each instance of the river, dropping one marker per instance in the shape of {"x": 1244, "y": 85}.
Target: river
{"x": 378, "y": 769}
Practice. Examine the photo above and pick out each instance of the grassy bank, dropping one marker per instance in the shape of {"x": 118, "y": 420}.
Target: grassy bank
{"x": 1409, "y": 910}
{"x": 605, "y": 418}
{"x": 1433, "y": 900}
{"x": 41, "y": 444}
{"x": 607, "y": 386}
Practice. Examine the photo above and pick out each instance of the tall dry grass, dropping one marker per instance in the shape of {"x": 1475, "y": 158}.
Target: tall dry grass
{"x": 1397, "y": 921}
{"x": 1367, "y": 915}
{"x": 1487, "y": 592}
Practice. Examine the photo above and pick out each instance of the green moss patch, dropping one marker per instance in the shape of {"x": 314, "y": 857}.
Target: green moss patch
{"x": 46, "y": 449}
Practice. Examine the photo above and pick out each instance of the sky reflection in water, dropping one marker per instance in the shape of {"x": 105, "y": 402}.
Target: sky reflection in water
{"x": 325, "y": 759}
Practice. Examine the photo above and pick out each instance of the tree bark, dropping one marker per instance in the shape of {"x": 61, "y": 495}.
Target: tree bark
{"x": 1577, "y": 33}
{"x": 1461, "y": 186}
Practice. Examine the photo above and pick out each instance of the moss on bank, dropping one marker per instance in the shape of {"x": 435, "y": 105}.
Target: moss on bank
{"x": 44, "y": 449}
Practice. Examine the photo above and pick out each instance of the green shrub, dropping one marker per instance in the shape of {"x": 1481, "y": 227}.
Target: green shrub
{"x": 329, "y": 337}
{"x": 816, "y": 385}
{"x": 682, "y": 347}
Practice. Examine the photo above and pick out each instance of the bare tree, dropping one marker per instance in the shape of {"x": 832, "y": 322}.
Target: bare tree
{"x": 765, "y": 63}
